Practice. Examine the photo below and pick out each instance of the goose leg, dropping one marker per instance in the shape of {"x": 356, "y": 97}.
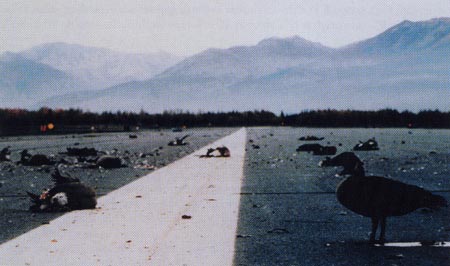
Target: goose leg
{"x": 383, "y": 230}
{"x": 374, "y": 229}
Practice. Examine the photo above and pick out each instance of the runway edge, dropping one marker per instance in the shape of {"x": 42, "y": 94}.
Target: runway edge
{"x": 183, "y": 214}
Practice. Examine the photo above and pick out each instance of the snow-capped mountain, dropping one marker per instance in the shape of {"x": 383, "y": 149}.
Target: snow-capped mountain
{"x": 100, "y": 67}
{"x": 244, "y": 62}
{"x": 54, "y": 69}
{"x": 405, "y": 67}
{"x": 23, "y": 81}
{"x": 408, "y": 37}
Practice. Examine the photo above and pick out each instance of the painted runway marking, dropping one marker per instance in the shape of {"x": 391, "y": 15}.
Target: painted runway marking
{"x": 159, "y": 219}
{"x": 444, "y": 244}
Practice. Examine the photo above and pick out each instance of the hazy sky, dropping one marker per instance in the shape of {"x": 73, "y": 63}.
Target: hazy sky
{"x": 188, "y": 27}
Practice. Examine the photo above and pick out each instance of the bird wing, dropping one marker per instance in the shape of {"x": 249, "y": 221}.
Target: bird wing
{"x": 33, "y": 197}
{"x": 59, "y": 179}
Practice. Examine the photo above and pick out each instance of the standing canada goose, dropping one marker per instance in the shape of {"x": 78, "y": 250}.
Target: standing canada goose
{"x": 67, "y": 194}
{"x": 178, "y": 141}
{"x": 379, "y": 197}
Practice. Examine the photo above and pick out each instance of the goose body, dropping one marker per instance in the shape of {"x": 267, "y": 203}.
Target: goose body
{"x": 379, "y": 197}
{"x": 34, "y": 160}
{"x": 5, "y": 154}
{"x": 108, "y": 162}
{"x": 373, "y": 196}
{"x": 369, "y": 145}
{"x": 309, "y": 147}
{"x": 310, "y": 138}
{"x": 346, "y": 159}
{"x": 67, "y": 194}
{"x": 223, "y": 151}
{"x": 178, "y": 141}
{"x": 326, "y": 150}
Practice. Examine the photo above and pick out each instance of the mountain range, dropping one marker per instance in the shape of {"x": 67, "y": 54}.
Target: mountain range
{"x": 405, "y": 67}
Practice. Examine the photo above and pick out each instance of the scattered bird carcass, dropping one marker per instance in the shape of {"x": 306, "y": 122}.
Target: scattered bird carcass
{"x": 5, "y": 154}
{"x": 67, "y": 194}
{"x": 104, "y": 161}
{"x": 144, "y": 165}
{"x": 317, "y": 149}
{"x": 346, "y": 159}
{"x": 209, "y": 153}
{"x": 309, "y": 147}
{"x": 109, "y": 162}
{"x": 310, "y": 138}
{"x": 325, "y": 150}
{"x": 380, "y": 197}
{"x": 221, "y": 151}
{"x": 28, "y": 159}
{"x": 369, "y": 145}
{"x": 178, "y": 141}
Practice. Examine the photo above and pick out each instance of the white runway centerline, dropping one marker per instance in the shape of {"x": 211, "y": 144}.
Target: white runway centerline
{"x": 183, "y": 214}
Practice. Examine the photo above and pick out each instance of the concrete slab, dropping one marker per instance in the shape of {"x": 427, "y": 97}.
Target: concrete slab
{"x": 182, "y": 214}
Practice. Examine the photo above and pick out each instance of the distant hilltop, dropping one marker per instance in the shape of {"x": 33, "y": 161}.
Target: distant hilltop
{"x": 404, "y": 67}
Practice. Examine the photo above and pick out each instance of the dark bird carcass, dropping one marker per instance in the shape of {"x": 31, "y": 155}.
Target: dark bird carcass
{"x": 379, "y": 197}
{"x": 325, "y": 150}
{"x": 223, "y": 151}
{"x": 309, "y": 147}
{"x": 5, "y": 154}
{"x": 109, "y": 162}
{"x": 217, "y": 152}
{"x": 178, "y": 141}
{"x": 67, "y": 194}
{"x": 310, "y": 138}
{"x": 209, "y": 153}
{"x": 347, "y": 160}
{"x": 317, "y": 149}
{"x": 34, "y": 160}
{"x": 369, "y": 145}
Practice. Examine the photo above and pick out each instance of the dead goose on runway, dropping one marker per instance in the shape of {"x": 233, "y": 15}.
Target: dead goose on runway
{"x": 28, "y": 159}
{"x": 67, "y": 194}
{"x": 178, "y": 141}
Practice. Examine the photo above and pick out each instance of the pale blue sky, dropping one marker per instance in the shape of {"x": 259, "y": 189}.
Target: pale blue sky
{"x": 188, "y": 27}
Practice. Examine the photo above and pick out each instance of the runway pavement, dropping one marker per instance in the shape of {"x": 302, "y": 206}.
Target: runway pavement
{"x": 182, "y": 214}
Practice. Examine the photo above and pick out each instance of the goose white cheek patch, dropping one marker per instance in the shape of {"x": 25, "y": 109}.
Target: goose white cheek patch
{"x": 60, "y": 199}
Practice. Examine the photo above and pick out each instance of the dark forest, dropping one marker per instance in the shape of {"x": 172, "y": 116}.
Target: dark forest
{"x": 48, "y": 121}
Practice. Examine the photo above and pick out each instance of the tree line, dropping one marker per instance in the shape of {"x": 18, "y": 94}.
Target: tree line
{"x": 21, "y": 121}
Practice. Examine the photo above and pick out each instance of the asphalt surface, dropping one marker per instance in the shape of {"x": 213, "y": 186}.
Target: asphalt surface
{"x": 289, "y": 214}
{"x": 16, "y": 219}
{"x": 182, "y": 214}
{"x": 288, "y": 211}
